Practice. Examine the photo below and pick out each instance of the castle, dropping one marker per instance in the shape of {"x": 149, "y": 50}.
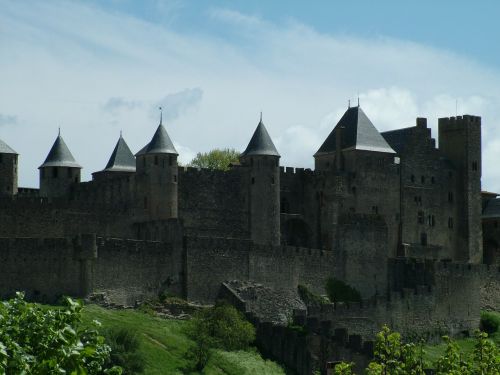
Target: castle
{"x": 391, "y": 214}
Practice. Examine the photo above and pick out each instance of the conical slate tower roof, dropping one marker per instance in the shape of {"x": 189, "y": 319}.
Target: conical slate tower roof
{"x": 358, "y": 133}
{"x": 5, "y": 148}
{"x": 60, "y": 156}
{"x": 122, "y": 159}
{"x": 160, "y": 143}
{"x": 261, "y": 143}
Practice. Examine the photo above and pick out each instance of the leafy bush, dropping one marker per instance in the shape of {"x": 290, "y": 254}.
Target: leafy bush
{"x": 489, "y": 322}
{"x": 309, "y": 297}
{"x": 394, "y": 357}
{"x": 125, "y": 345}
{"x": 221, "y": 327}
{"x": 34, "y": 340}
{"x": 339, "y": 291}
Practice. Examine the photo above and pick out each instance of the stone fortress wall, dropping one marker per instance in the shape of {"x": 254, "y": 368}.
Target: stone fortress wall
{"x": 373, "y": 203}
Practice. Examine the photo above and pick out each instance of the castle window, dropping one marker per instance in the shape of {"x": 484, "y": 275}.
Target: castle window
{"x": 423, "y": 239}
{"x": 418, "y": 200}
{"x": 474, "y": 165}
{"x": 422, "y": 179}
{"x": 450, "y": 222}
{"x": 450, "y": 196}
{"x": 375, "y": 209}
{"x": 169, "y": 159}
{"x": 1, "y": 158}
{"x": 420, "y": 217}
{"x": 156, "y": 159}
{"x": 253, "y": 180}
{"x": 412, "y": 178}
{"x": 69, "y": 172}
{"x": 54, "y": 172}
{"x": 353, "y": 190}
{"x": 272, "y": 180}
{"x": 431, "y": 220}
{"x": 433, "y": 180}
{"x": 285, "y": 207}
{"x": 175, "y": 178}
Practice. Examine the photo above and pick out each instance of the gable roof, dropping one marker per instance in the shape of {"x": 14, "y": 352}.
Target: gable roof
{"x": 358, "y": 133}
{"x": 261, "y": 143}
{"x": 122, "y": 159}
{"x": 159, "y": 144}
{"x": 60, "y": 156}
{"x": 5, "y": 148}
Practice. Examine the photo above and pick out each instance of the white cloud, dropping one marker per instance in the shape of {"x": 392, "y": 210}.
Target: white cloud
{"x": 66, "y": 60}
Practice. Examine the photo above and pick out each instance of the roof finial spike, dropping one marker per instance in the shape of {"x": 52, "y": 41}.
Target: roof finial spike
{"x": 348, "y": 103}
{"x": 260, "y": 116}
{"x": 358, "y": 101}
{"x": 59, "y": 131}
{"x": 161, "y": 115}
{"x": 120, "y": 133}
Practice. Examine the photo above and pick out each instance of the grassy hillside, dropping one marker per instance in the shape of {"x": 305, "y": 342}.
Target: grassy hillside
{"x": 164, "y": 345}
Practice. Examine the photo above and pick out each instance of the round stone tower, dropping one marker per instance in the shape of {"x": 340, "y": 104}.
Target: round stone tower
{"x": 8, "y": 170}
{"x": 59, "y": 171}
{"x": 262, "y": 160}
{"x": 156, "y": 176}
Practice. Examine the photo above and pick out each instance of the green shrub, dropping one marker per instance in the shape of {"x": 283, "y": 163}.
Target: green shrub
{"x": 490, "y": 322}
{"x": 221, "y": 327}
{"x": 125, "y": 345}
{"x": 339, "y": 291}
{"x": 309, "y": 297}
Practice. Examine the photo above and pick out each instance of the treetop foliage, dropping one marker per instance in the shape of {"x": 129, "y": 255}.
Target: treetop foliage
{"x": 215, "y": 159}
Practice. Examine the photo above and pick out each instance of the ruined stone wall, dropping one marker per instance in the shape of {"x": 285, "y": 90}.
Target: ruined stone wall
{"x": 490, "y": 288}
{"x": 214, "y": 203}
{"x": 211, "y": 261}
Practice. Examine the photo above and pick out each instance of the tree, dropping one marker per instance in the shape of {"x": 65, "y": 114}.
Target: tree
{"x": 215, "y": 159}
{"x": 36, "y": 340}
{"x": 220, "y": 327}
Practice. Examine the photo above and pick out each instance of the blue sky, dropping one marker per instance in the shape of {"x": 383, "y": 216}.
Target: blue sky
{"x": 95, "y": 68}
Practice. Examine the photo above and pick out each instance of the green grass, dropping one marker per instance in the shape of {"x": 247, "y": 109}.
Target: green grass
{"x": 164, "y": 345}
{"x": 466, "y": 345}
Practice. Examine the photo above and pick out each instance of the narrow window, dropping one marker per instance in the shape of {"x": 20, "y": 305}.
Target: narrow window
{"x": 1, "y": 158}
{"x": 175, "y": 178}
{"x": 412, "y": 178}
{"x": 474, "y": 165}
{"x": 253, "y": 180}
{"x": 54, "y": 172}
{"x": 423, "y": 239}
{"x": 422, "y": 179}
{"x": 156, "y": 159}
{"x": 450, "y": 222}
{"x": 169, "y": 159}
{"x": 353, "y": 190}
{"x": 450, "y": 196}
{"x": 272, "y": 180}
{"x": 433, "y": 180}
{"x": 69, "y": 172}
{"x": 145, "y": 202}
{"x": 375, "y": 209}
{"x": 420, "y": 217}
